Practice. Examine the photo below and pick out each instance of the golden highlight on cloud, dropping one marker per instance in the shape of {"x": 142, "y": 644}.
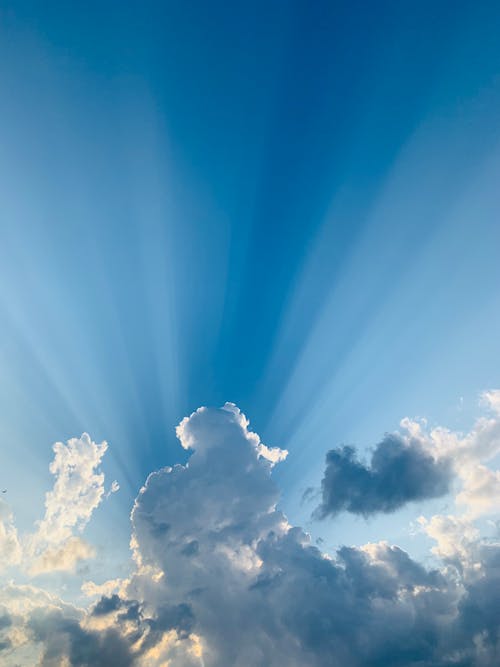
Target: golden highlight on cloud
{"x": 55, "y": 544}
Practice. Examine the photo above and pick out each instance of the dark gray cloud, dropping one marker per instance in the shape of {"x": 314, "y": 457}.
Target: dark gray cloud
{"x": 399, "y": 472}
{"x": 5, "y": 620}
{"x": 374, "y": 607}
{"x": 5, "y": 624}
{"x": 107, "y": 604}
{"x": 64, "y": 638}
{"x": 479, "y": 608}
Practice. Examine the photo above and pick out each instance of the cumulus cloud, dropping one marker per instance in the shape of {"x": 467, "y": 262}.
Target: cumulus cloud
{"x": 220, "y": 578}
{"x": 481, "y": 443}
{"x": 470, "y": 454}
{"x": 211, "y": 536}
{"x": 55, "y": 544}
{"x": 400, "y": 471}
{"x": 417, "y": 464}
{"x": 480, "y": 492}
{"x": 455, "y": 539}
{"x": 78, "y": 489}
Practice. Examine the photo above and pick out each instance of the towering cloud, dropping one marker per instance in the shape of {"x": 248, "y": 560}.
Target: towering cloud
{"x": 221, "y": 579}
{"x": 258, "y": 593}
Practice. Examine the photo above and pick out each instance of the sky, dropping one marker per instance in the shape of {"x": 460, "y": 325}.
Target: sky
{"x": 288, "y": 207}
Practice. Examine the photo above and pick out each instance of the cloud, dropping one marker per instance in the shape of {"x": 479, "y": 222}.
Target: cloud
{"x": 491, "y": 399}
{"x": 480, "y": 492}
{"x": 417, "y": 464}
{"x": 10, "y": 549}
{"x": 62, "y": 558}
{"x": 481, "y": 443}
{"x": 55, "y": 544}
{"x": 211, "y": 536}
{"x": 78, "y": 489}
{"x": 65, "y": 639}
{"x": 469, "y": 453}
{"x": 220, "y": 578}
{"x": 90, "y": 589}
{"x": 455, "y": 537}
{"x": 400, "y": 471}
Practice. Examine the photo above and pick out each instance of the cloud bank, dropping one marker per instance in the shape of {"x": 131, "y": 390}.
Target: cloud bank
{"x": 221, "y": 579}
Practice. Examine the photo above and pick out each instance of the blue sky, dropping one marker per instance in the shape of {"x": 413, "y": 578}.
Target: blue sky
{"x": 292, "y": 206}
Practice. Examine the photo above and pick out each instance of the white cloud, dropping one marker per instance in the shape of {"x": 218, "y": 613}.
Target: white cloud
{"x": 469, "y": 453}
{"x": 455, "y": 538}
{"x": 478, "y": 486}
{"x": 92, "y": 590}
{"x": 480, "y": 492}
{"x": 55, "y": 544}
{"x": 491, "y": 399}
{"x": 78, "y": 489}
{"x": 22, "y": 599}
{"x": 10, "y": 549}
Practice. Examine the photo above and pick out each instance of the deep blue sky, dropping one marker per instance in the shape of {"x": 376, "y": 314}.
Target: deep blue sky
{"x": 288, "y": 205}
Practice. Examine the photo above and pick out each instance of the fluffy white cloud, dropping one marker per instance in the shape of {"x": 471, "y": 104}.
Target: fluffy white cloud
{"x": 78, "y": 489}
{"x": 55, "y": 544}
{"x": 480, "y": 492}
{"x": 478, "y": 486}
{"x": 221, "y": 579}
{"x": 455, "y": 538}
{"x": 481, "y": 443}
